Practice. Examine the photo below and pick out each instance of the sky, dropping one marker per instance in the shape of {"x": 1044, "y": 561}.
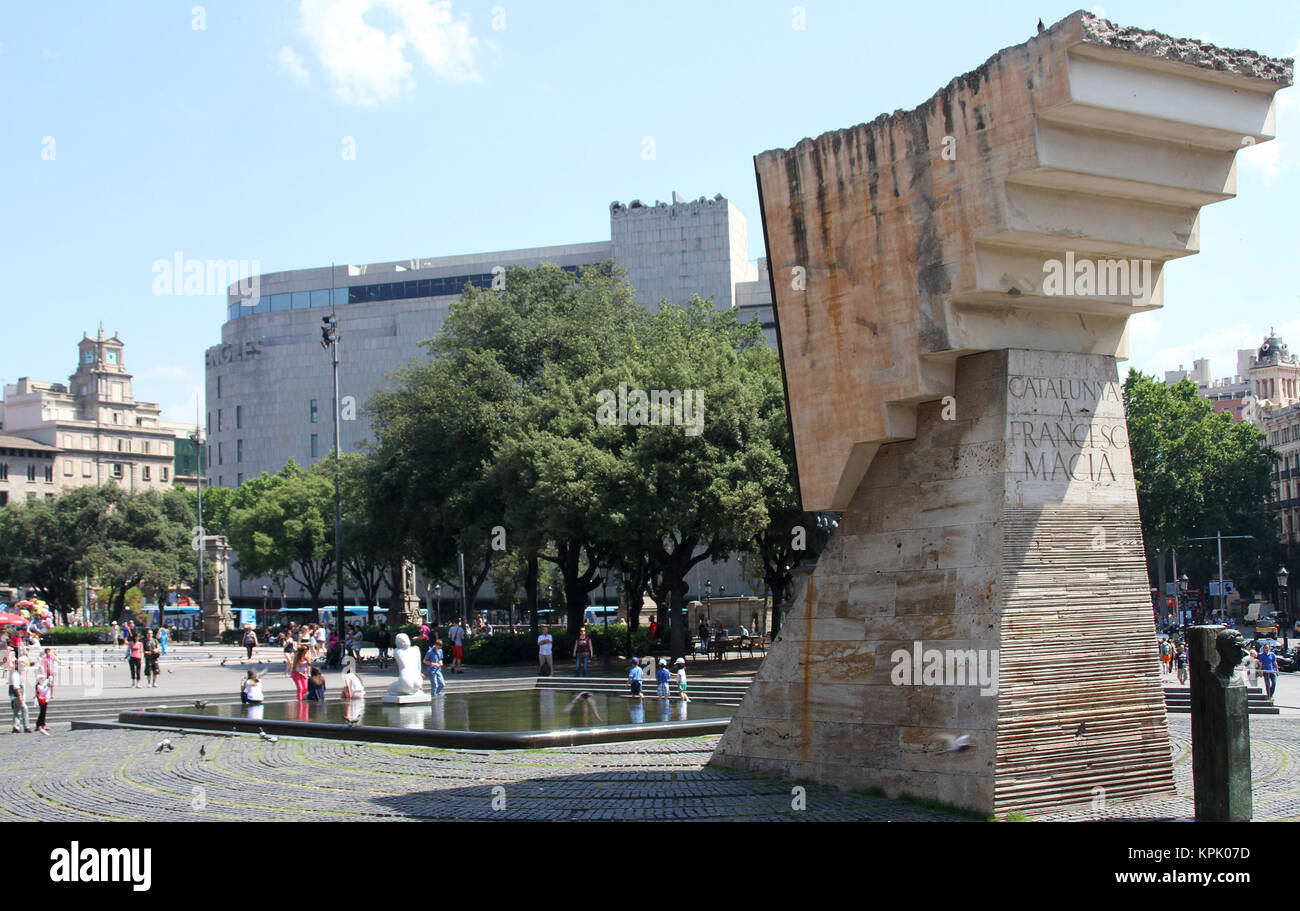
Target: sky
{"x": 291, "y": 133}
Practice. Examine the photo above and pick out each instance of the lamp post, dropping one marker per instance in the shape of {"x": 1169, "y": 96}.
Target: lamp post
{"x": 330, "y": 342}
{"x": 1285, "y": 609}
{"x": 1180, "y": 596}
{"x": 722, "y": 592}
{"x": 197, "y": 437}
{"x": 437, "y": 591}
{"x": 266, "y": 591}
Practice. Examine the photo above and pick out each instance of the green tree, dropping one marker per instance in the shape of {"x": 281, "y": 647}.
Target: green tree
{"x": 1197, "y": 472}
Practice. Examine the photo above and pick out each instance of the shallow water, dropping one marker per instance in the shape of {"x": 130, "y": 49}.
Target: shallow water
{"x": 520, "y": 710}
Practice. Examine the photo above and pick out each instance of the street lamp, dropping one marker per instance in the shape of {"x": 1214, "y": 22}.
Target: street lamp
{"x": 1285, "y": 605}
{"x": 1180, "y": 596}
{"x": 437, "y": 591}
{"x": 266, "y": 591}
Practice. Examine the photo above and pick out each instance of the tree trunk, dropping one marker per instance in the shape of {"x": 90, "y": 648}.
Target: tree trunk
{"x": 530, "y": 593}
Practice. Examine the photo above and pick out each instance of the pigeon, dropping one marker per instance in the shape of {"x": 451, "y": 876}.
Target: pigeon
{"x": 353, "y": 722}
{"x": 170, "y": 671}
{"x": 199, "y": 704}
{"x": 209, "y": 654}
{"x": 954, "y": 744}
{"x": 203, "y": 752}
{"x": 166, "y": 745}
{"x": 223, "y": 661}
{"x": 1083, "y": 729}
{"x": 269, "y": 738}
{"x": 1041, "y": 29}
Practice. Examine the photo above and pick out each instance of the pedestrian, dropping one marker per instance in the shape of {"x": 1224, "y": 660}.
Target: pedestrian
{"x": 634, "y": 678}
{"x": 654, "y": 629}
{"x": 250, "y": 641}
{"x": 50, "y": 666}
{"x": 1268, "y": 667}
{"x": 384, "y": 641}
{"x": 582, "y": 652}
{"x": 1166, "y": 655}
{"x": 352, "y": 686}
{"x": 43, "y": 689}
{"x": 320, "y": 641}
{"x": 662, "y": 677}
{"x": 316, "y": 686}
{"x": 151, "y": 653}
{"x": 680, "y": 664}
{"x": 457, "y": 636}
{"x": 18, "y": 696}
{"x": 356, "y": 643}
{"x": 1252, "y": 667}
{"x": 704, "y": 634}
{"x": 290, "y": 645}
{"x": 134, "y": 658}
{"x": 545, "y": 643}
{"x": 301, "y": 667}
{"x": 117, "y": 634}
{"x": 250, "y": 691}
{"x": 433, "y": 661}
{"x": 1180, "y": 661}
{"x": 164, "y": 636}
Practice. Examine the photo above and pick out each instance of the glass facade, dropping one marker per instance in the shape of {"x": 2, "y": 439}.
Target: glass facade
{"x": 365, "y": 294}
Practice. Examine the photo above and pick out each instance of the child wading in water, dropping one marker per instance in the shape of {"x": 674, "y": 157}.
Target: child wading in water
{"x": 680, "y": 663}
{"x": 662, "y": 677}
{"x": 634, "y": 677}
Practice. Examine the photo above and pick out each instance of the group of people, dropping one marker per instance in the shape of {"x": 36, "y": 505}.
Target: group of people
{"x": 142, "y": 655}
{"x": 636, "y": 675}
{"x": 1258, "y": 662}
{"x": 16, "y": 662}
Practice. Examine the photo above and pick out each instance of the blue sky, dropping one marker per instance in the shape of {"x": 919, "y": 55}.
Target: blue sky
{"x": 138, "y": 130}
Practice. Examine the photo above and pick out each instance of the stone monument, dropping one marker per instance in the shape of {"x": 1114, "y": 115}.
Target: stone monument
{"x": 1220, "y": 725}
{"x": 409, "y": 685}
{"x": 216, "y": 598}
{"x": 952, "y": 286}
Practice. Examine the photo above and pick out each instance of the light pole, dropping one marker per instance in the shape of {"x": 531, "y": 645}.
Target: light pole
{"x": 1221, "y": 537}
{"x": 1285, "y": 609}
{"x": 197, "y": 437}
{"x": 1180, "y": 594}
{"x": 330, "y": 342}
{"x": 437, "y": 591}
{"x": 266, "y": 591}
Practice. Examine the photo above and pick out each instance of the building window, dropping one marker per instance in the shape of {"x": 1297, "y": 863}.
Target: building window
{"x": 4, "y": 498}
{"x": 117, "y": 470}
{"x": 164, "y": 474}
{"x": 49, "y": 498}
{"x": 4, "y": 471}
{"x": 239, "y": 416}
{"x": 145, "y": 474}
{"x": 220, "y": 422}
{"x": 239, "y": 450}
{"x": 218, "y": 385}
{"x": 85, "y": 469}
{"x": 209, "y": 425}
{"x": 121, "y": 446}
{"x": 220, "y": 453}
{"x": 117, "y": 417}
{"x": 315, "y": 413}
{"x": 315, "y": 446}
{"x": 31, "y": 497}
{"x": 31, "y": 472}
{"x": 49, "y": 474}
{"x": 239, "y": 479}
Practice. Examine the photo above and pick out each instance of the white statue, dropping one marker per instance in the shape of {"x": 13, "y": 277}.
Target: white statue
{"x": 409, "y": 685}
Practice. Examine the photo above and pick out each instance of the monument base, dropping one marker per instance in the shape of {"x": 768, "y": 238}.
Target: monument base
{"x": 979, "y": 630}
{"x": 406, "y": 698}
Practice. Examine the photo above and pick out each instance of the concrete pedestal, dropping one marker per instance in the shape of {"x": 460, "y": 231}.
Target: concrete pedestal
{"x": 1221, "y": 772}
{"x": 979, "y": 629}
{"x": 406, "y": 699}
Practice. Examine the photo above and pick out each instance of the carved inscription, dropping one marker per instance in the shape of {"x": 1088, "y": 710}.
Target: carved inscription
{"x": 1065, "y": 428}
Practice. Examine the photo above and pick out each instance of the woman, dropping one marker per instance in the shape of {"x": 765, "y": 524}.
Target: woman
{"x": 1252, "y": 667}
{"x": 290, "y": 646}
{"x": 582, "y": 652}
{"x": 352, "y": 685}
{"x": 301, "y": 668}
{"x": 42, "y": 700}
{"x": 250, "y": 692}
{"x": 134, "y": 658}
{"x": 250, "y": 641}
{"x": 151, "y": 652}
{"x": 18, "y": 696}
{"x": 316, "y": 686}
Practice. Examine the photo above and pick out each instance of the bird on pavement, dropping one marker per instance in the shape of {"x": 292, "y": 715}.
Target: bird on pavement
{"x": 164, "y": 746}
{"x": 203, "y": 752}
{"x": 269, "y": 738}
{"x": 199, "y": 703}
{"x": 1083, "y": 729}
{"x": 223, "y": 661}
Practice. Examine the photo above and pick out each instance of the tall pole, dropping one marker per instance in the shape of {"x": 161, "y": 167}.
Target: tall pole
{"x": 338, "y": 469}
{"x": 1220, "y": 537}
{"x": 1178, "y": 604}
{"x": 200, "y": 445}
{"x": 464, "y": 594}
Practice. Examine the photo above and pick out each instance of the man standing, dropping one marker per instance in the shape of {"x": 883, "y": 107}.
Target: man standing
{"x": 544, "y": 648}
{"x": 1268, "y": 667}
{"x": 457, "y": 636}
{"x": 385, "y": 642}
{"x": 433, "y": 661}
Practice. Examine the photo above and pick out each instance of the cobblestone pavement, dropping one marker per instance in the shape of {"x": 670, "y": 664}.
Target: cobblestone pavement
{"x": 116, "y": 774}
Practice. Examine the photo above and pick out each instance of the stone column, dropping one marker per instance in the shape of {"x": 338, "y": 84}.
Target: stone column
{"x": 406, "y": 602}
{"x": 216, "y": 599}
{"x": 979, "y": 629}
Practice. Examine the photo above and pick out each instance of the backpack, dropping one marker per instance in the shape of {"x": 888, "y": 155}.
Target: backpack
{"x": 248, "y": 638}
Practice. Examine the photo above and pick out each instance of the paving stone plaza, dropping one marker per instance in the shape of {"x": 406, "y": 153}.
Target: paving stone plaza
{"x": 103, "y": 775}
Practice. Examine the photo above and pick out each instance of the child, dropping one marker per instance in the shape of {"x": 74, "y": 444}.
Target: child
{"x": 662, "y": 677}
{"x": 42, "y": 697}
{"x": 316, "y": 686}
{"x": 352, "y": 686}
{"x": 634, "y": 677}
{"x": 680, "y": 663}
{"x": 433, "y": 661}
{"x": 49, "y": 667}
{"x": 251, "y": 691}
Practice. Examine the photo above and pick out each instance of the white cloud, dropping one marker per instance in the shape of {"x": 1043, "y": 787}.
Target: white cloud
{"x": 291, "y": 63}
{"x": 368, "y": 65}
{"x": 1272, "y": 158}
{"x": 1220, "y": 345}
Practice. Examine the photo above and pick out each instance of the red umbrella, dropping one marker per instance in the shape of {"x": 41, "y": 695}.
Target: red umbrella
{"x": 7, "y": 619}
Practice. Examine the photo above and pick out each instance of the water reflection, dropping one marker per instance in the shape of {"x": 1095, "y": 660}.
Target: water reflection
{"x": 665, "y": 710}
